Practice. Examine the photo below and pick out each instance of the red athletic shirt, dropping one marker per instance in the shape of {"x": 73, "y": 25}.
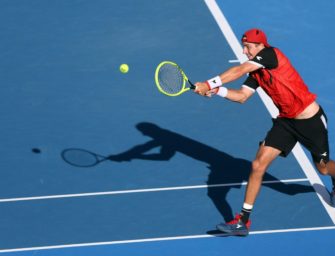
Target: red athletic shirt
{"x": 279, "y": 79}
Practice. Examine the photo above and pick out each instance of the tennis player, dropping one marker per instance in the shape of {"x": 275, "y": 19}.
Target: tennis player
{"x": 300, "y": 117}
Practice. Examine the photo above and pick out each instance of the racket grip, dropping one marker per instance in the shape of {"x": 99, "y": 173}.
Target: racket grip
{"x": 192, "y": 86}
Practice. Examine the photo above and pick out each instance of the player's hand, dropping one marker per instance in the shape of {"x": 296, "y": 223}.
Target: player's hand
{"x": 212, "y": 92}
{"x": 201, "y": 88}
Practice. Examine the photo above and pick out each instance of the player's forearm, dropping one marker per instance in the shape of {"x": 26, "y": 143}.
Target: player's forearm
{"x": 236, "y": 96}
{"x": 229, "y": 75}
{"x": 232, "y": 74}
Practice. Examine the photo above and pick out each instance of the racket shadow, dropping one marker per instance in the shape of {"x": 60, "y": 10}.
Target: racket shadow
{"x": 79, "y": 157}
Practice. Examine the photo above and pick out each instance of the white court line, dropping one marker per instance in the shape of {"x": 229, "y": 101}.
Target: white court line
{"x": 297, "y": 151}
{"x": 302, "y": 161}
{"x": 158, "y": 239}
{"x": 4, "y": 200}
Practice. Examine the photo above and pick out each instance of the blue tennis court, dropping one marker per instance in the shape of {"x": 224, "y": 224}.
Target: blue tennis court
{"x": 169, "y": 168}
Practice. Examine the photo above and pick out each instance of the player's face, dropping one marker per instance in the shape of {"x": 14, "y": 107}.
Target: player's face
{"x": 251, "y": 49}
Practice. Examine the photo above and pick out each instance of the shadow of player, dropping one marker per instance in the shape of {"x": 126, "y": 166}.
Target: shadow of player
{"x": 223, "y": 167}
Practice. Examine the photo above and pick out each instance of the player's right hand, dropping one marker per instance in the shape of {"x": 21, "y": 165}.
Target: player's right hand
{"x": 201, "y": 88}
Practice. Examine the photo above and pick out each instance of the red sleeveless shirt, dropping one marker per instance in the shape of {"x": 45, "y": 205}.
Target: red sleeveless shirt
{"x": 285, "y": 87}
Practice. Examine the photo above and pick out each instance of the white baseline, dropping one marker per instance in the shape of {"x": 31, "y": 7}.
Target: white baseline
{"x": 157, "y": 239}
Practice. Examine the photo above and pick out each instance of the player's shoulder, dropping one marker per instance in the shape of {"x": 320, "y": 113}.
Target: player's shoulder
{"x": 267, "y": 52}
{"x": 266, "y": 58}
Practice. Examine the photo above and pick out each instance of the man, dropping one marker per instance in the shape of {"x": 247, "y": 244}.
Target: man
{"x": 300, "y": 117}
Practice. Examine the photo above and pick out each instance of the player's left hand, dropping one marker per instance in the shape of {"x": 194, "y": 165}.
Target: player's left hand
{"x": 212, "y": 92}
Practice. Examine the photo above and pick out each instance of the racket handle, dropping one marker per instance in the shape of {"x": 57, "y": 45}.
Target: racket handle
{"x": 192, "y": 86}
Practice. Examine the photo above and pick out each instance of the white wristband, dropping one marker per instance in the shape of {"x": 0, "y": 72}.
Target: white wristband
{"x": 214, "y": 82}
{"x": 222, "y": 92}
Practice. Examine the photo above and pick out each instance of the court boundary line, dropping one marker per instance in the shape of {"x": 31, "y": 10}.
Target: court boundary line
{"x": 303, "y": 164}
{"x": 297, "y": 151}
{"x": 118, "y": 192}
{"x": 159, "y": 239}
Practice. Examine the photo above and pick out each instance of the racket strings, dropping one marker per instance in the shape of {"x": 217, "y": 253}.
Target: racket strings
{"x": 170, "y": 78}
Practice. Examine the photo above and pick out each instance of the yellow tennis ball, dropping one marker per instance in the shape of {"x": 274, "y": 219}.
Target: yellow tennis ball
{"x": 124, "y": 68}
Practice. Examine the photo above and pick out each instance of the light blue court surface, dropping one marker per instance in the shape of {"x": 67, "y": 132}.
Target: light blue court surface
{"x": 169, "y": 169}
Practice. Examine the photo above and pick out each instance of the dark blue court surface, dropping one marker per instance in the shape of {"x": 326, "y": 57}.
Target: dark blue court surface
{"x": 96, "y": 162}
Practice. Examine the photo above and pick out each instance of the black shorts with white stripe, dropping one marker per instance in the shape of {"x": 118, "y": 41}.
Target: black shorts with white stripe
{"x": 312, "y": 133}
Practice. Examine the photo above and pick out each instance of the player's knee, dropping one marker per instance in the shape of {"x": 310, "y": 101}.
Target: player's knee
{"x": 258, "y": 168}
{"x": 322, "y": 168}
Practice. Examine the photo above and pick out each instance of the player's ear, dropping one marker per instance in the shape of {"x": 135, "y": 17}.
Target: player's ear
{"x": 260, "y": 46}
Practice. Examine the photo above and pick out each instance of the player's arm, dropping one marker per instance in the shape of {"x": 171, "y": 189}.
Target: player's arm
{"x": 229, "y": 75}
{"x": 237, "y": 95}
{"x": 240, "y": 95}
{"x": 236, "y": 72}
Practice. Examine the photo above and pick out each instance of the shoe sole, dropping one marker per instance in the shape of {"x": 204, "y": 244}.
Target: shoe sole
{"x": 233, "y": 233}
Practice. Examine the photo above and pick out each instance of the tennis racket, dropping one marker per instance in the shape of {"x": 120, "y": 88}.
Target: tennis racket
{"x": 171, "y": 79}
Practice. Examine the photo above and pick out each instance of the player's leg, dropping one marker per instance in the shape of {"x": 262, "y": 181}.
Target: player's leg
{"x": 279, "y": 141}
{"x": 264, "y": 158}
{"x": 241, "y": 224}
{"x": 313, "y": 135}
{"x": 328, "y": 168}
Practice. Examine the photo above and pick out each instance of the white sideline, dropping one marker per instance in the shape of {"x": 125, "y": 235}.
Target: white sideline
{"x": 299, "y": 154}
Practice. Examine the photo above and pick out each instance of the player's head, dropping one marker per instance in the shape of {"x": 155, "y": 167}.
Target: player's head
{"x": 254, "y": 40}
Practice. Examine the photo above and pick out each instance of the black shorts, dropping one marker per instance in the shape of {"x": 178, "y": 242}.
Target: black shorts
{"x": 311, "y": 133}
